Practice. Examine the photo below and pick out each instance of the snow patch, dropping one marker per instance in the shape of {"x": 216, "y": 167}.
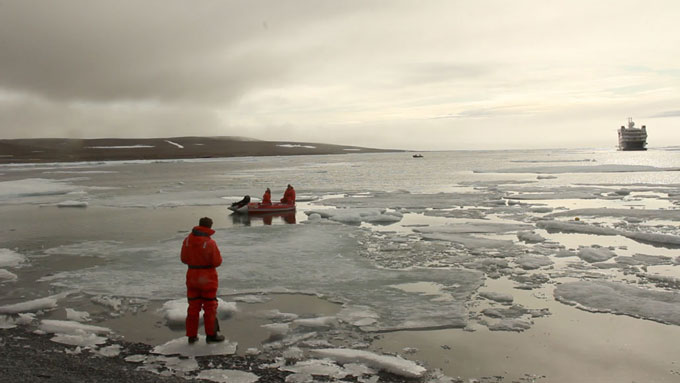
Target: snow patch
{"x": 174, "y": 143}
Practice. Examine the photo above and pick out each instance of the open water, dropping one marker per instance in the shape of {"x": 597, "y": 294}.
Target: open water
{"x": 452, "y": 260}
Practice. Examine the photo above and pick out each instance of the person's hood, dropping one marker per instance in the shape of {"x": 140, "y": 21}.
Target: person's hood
{"x": 201, "y": 231}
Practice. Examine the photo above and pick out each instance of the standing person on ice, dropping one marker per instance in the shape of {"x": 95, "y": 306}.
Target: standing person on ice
{"x": 288, "y": 195}
{"x": 201, "y": 254}
{"x": 267, "y": 197}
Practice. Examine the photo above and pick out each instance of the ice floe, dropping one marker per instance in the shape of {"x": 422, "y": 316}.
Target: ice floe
{"x": 529, "y": 262}
{"x": 672, "y": 215}
{"x": 581, "y": 169}
{"x": 175, "y": 311}
{"x": 620, "y": 298}
{"x": 10, "y": 258}
{"x": 495, "y": 296}
{"x": 228, "y": 376}
{"x": 7, "y": 276}
{"x": 18, "y": 190}
{"x": 33, "y": 305}
{"x": 393, "y": 364}
{"x": 580, "y": 227}
{"x": 72, "y": 204}
{"x": 595, "y": 254}
{"x": 358, "y": 215}
{"x": 180, "y": 346}
{"x": 77, "y": 316}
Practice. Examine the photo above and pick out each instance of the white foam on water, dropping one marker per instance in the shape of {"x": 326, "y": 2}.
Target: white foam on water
{"x": 10, "y": 258}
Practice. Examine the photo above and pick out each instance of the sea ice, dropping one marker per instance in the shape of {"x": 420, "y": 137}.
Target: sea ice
{"x": 670, "y": 215}
{"x": 6, "y": 276}
{"x": 228, "y": 376}
{"x": 10, "y": 258}
{"x": 620, "y": 298}
{"x": 110, "y": 351}
{"x": 277, "y": 331}
{"x": 7, "y": 322}
{"x": 643, "y": 259}
{"x": 318, "y": 367}
{"x": 498, "y": 297}
{"x": 81, "y": 340}
{"x": 317, "y": 259}
{"x": 180, "y": 346}
{"x": 469, "y": 241}
{"x": 516, "y": 324}
{"x": 580, "y": 227}
{"x": 70, "y": 327}
{"x": 78, "y": 316}
{"x": 580, "y": 169}
{"x": 32, "y": 305}
{"x": 595, "y": 254}
{"x": 175, "y": 311}
{"x": 358, "y": 215}
{"x": 32, "y": 187}
{"x": 393, "y": 364}
{"x": 529, "y": 262}
{"x": 72, "y": 204}
{"x": 318, "y": 322}
{"x": 530, "y": 237}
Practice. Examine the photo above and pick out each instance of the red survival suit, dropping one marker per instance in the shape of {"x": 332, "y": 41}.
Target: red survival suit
{"x": 201, "y": 254}
{"x": 267, "y": 198}
{"x": 288, "y": 196}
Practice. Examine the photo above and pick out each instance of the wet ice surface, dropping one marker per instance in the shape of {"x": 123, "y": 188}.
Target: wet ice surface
{"x": 413, "y": 249}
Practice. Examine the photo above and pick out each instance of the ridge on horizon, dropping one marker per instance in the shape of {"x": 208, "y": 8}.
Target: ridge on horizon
{"x": 36, "y": 150}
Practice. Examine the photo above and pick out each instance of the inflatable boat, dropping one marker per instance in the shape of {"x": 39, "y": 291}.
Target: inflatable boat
{"x": 258, "y": 208}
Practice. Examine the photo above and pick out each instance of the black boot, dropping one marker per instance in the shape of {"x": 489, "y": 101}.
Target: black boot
{"x": 214, "y": 338}
{"x": 193, "y": 339}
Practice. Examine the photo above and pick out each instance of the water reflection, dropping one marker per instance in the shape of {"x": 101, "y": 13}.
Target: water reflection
{"x": 287, "y": 217}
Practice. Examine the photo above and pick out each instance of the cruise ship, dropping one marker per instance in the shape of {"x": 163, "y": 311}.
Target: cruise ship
{"x": 632, "y": 138}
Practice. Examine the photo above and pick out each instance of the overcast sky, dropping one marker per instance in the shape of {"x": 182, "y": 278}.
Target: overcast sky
{"x": 392, "y": 74}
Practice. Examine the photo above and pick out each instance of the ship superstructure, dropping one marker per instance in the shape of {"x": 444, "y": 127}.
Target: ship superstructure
{"x": 632, "y": 138}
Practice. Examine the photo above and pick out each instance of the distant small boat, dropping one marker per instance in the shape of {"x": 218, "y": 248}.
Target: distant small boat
{"x": 632, "y": 138}
{"x": 258, "y": 208}
{"x": 417, "y": 156}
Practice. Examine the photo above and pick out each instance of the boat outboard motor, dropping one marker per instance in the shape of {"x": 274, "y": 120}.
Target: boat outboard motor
{"x": 242, "y": 202}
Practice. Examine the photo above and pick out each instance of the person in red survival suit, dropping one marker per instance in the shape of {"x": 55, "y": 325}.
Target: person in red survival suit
{"x": 201, "y": 254}
{"x": 288, "y": 195}
{"x": 267, "y": 197}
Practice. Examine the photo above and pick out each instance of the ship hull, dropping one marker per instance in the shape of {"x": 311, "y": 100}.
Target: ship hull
{"x": 632, "y": 146}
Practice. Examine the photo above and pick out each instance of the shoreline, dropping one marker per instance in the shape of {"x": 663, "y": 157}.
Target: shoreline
{"x": 46, "y": 150}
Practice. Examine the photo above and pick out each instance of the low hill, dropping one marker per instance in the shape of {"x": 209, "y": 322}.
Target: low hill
{"x": 108, "y": 149}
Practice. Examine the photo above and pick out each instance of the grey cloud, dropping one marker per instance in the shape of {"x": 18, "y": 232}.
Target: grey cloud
{"x": 42, "y": 118}
{"x": 668, "y": 113}
{"x": 166, "y": 50}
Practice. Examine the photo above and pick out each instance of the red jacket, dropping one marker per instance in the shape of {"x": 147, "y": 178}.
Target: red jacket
{"x": 267, "y": 198}
{"x": 201, "y": 254}
{"x": 288, "y": 196}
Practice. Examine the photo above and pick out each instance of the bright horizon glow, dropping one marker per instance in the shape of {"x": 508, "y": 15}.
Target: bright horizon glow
{"x": 438, "y": 75}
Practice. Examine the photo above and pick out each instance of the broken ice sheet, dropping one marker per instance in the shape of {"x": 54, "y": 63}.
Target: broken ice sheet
{"x": 620, "y": 298}
{"x": 316, "y": 259}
